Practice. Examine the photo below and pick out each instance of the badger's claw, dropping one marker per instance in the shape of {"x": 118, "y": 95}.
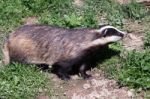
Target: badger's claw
{"x": 65, "y": 77}
{"x": 86, "y": 76}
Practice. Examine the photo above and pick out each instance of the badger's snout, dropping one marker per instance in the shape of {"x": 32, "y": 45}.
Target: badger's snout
{"x": 122, "y": 34}
{"x": 108, "y": 31}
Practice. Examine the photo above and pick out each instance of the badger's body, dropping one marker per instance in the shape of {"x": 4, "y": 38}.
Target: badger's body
{"x": 60, "y": 47}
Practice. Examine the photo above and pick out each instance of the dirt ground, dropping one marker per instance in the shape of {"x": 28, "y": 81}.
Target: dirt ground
{"x": 146, "y": 2}
{"x": 98, "y": 87}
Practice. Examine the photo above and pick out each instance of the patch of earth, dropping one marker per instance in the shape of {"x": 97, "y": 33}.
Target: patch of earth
{"x": 79, "y": 3}
{"x": 123, "y": 1}
{"x": 30, "y": 20}
{"x": 133, "y": 42}
{"x": 136, "y": 33}
{"x": 2, "y": 36}
{"x": 42, "y": 97}
{"x": 138, "y": 27}
{"x": 145, "y": 2}
{"x": 98, "y": 87}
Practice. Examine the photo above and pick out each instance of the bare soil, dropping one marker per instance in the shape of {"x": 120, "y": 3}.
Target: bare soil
{"x": 98, "y": 87}
{"x": 135, "y": 37}
{"x": 145, "y": 2}
{"x": 30, "y": 20}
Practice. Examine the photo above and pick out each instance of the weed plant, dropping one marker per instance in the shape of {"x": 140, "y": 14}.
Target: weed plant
{"x": 135, "y": 70}
{"x": 18, "y": 81}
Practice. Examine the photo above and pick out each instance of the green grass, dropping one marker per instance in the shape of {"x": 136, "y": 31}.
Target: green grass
{"x": 64, "y": 13}
{"x": 19, "y": 81}
{"x": 129, "y": 68}
{"x": 135, "y": 70}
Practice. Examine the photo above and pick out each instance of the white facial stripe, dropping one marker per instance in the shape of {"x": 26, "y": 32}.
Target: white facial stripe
{"x": 113, "y": 38}
{"x": 106, "y": 27}
{"x": 103, "y": 41}
{"x": 98, "y": 42}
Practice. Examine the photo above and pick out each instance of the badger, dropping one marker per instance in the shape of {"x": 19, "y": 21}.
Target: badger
{"x": 60, "y": 47}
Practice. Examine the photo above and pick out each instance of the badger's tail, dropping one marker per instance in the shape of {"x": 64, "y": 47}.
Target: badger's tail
{"x": 5, "y": 50}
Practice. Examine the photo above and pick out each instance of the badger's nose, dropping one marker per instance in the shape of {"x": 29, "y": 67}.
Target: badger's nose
{"x": 123, "y": 34}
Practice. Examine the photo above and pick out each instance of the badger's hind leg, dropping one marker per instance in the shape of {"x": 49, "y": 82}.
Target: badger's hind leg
{"x": 43, "y": 66}
{"x": 82, "y": 71}
{"x": 6, "y": 57}
{"x": 61, "y": 69}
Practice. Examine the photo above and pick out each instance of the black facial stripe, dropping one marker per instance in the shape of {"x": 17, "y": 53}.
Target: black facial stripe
{"x": 112, "y": 32}
{"x": 121, "y": 34}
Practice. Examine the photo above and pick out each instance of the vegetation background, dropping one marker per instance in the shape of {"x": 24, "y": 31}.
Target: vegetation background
{"x": 130, "y": 68}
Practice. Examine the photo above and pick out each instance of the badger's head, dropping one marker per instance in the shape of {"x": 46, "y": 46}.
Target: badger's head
{"x": 110, "y": 33}
{"x": 107, "y": 34}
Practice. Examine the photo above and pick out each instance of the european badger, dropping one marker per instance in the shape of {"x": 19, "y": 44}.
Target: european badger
{"x": 60, "y": 47}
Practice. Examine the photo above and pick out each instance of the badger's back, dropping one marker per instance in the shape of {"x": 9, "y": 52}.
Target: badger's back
{"x": 47, "y": 44}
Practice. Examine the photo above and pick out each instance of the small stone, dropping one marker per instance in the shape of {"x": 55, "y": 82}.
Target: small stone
{"x": 56, "y": 95}
{"x": 132, "y": 36}
{"x": 140, "y": 89}
{"x": 75, "y": 96}
{"x": 45, "y": 90}
{"x": 131, "y": 93}
{"x": 42, "y": 97}
{"x": 61, "y": 87}
{"x": 94, "y": 95}
{"x": 97, "y": 75}
{"x": 40, "y": 90}
{"x": 94, "y": 82}
{"x": 50, "y": 66}
{"x": 78, "y": 3}
{"x": 30, "y": 20}
{"x": 86, "y": 86}
{"x": 75, "y": 77}
{"x": 64, "y": 94}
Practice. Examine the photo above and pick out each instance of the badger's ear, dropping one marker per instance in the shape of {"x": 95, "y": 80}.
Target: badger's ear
{"x": 103, "y": 33}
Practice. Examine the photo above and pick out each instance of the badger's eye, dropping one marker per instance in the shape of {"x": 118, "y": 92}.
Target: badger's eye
{"x": 112, "y": 32}
{"x": 104, "y": 33}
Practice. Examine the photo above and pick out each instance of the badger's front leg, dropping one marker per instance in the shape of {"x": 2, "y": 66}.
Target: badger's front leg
{"x": 62, "y": 73}
{"x": 61, "y": 69}
{"x": 82, "y": 71}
